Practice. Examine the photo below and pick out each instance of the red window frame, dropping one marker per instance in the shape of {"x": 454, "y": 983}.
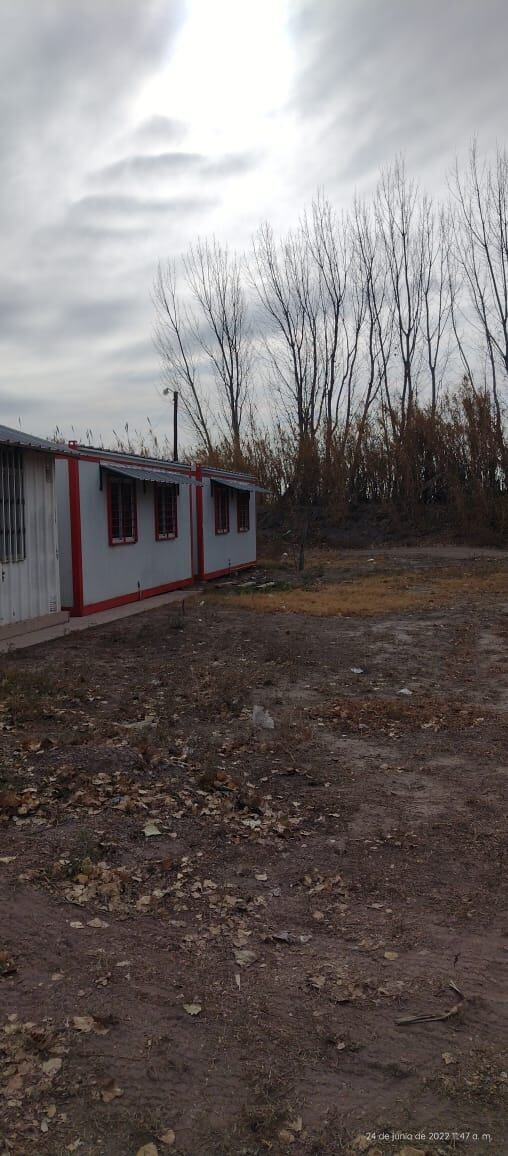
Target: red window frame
{"x": 243, "y": 511}
{"x": 166, "y": 513}
{"x": 221, "y": 500}
{"x": 122, "y": 486}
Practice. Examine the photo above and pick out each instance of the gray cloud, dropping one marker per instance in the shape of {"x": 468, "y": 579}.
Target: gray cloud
{"x": 62, "y": 66}
{"x": 97, "y": 318}
{"x": 23, "y": 313}
{"x": 14, "y": 401}
{"x": 130, "y": 352}
{"x": 91, "y": 196}
{"x": 174, "y": 164}
{"x": 158, "y": 131}
{"x": 396, "y": 76}
{"x": 121, "y": 208}
{"x": 152, "y": 165}
{"x": 233, "y": 165}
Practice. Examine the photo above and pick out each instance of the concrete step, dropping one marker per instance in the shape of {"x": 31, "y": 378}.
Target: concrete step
{"x": 31, "y": 637}
{"x": 9, "y": 630}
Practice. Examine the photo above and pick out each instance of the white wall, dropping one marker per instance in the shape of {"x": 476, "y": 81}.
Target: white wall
{"x": 31, "y": 588}
{"x": 225, "y": 551}
{"x": 113, "y": 571}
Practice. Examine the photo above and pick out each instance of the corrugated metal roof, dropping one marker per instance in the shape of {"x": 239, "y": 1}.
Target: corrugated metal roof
{"x": 123, "y": 456}
{"x": 146, "y": 474}
{"x": 214, "y": 471}
{"x": 15, "y": 437}
{"x": 250, "y": 487}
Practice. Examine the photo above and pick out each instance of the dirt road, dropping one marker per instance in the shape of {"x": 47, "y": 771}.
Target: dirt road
{"x": 209, "y": 928}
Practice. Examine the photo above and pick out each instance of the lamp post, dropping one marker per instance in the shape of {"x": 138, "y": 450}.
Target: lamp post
{"x": 175, "y": 425}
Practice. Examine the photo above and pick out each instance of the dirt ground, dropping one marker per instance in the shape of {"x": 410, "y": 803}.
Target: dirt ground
{"x": 210, "y": 929}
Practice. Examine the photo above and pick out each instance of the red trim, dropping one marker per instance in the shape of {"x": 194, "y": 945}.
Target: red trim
{"x": 122, "y": 482}
{"x": 128, "y": 460}
{"x": 76, "y": 547}
{"x": 124, "y": 599}
{"x": 228, "y": 570}
{"x": 242, "y": 496}
{"x": 191, "y": 533}
{"x": 219, "y": 496}
{"x": 160, "y": 490}
{"x": 224, "y": 478}
{"x": 199, "y": 513}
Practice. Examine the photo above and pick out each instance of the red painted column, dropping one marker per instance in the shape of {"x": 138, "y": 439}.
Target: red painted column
{"x": 200, "y": 529}
{"x": 76, "y": 549}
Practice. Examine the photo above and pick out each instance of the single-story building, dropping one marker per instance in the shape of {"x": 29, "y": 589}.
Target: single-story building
{"x": 125, "y": 528}
{"x": 225, "y": 521}
{"x": 84, "y": 529}
{"x": 29, "y": 569}
{"x": 132, "y": 527}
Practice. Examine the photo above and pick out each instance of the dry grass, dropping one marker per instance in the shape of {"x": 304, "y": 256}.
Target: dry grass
{"x": 376, "y": 595}
{"x": 386, "y": 715}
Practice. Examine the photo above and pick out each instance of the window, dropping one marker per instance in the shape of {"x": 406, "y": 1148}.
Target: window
{"x": 221, "y": 510}
{"x": 122, "y": 512}
{"x": 166, "y": 524}
{"x": 12, "y": 507}
{"x": 243, "y": 511}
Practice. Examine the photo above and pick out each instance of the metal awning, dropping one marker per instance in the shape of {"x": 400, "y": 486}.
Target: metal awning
{"x": 248, "y": 487}
{"x": 16, "y": 439}
{"x": 147, "y": 474}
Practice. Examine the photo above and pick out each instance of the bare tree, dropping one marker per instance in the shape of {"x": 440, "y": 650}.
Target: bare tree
{"x": 378, "y": 325}
{"x": 437, "y": 293}
{"x": 215, "y": 278}
{"x": 314, "y": 302}
{"x": 399, "y": 220}
{"x": 285, "y": 282}
{"x": 178, "y": 354}
{"x": 455, "y": 292}
{"x": 212, "y": 333}
{"x": 342, "y": 311}
{"x": 481, "y": 194}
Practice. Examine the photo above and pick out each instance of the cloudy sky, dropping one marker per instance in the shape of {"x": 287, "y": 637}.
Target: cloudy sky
{"x": 129, "y": 127}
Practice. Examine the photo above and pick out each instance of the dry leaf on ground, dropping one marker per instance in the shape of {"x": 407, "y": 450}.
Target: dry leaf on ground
{"x": 7, "y": 965}
{"x": 361, "y": 1143}
{"x": 408, "y": 1150}
{"x": 150, "y": 829}
{"x": 111, "y": 1091}
{"x": 286, "y": 1137}
{"x": 245, "y": 958}
{"x": 168, "y": 1138}
{"x": 52, "y": 1066}
{"x": 83, "y": 1023}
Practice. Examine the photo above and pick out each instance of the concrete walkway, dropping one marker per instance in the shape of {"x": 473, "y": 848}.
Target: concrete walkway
{"x": 35, "y": 637}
